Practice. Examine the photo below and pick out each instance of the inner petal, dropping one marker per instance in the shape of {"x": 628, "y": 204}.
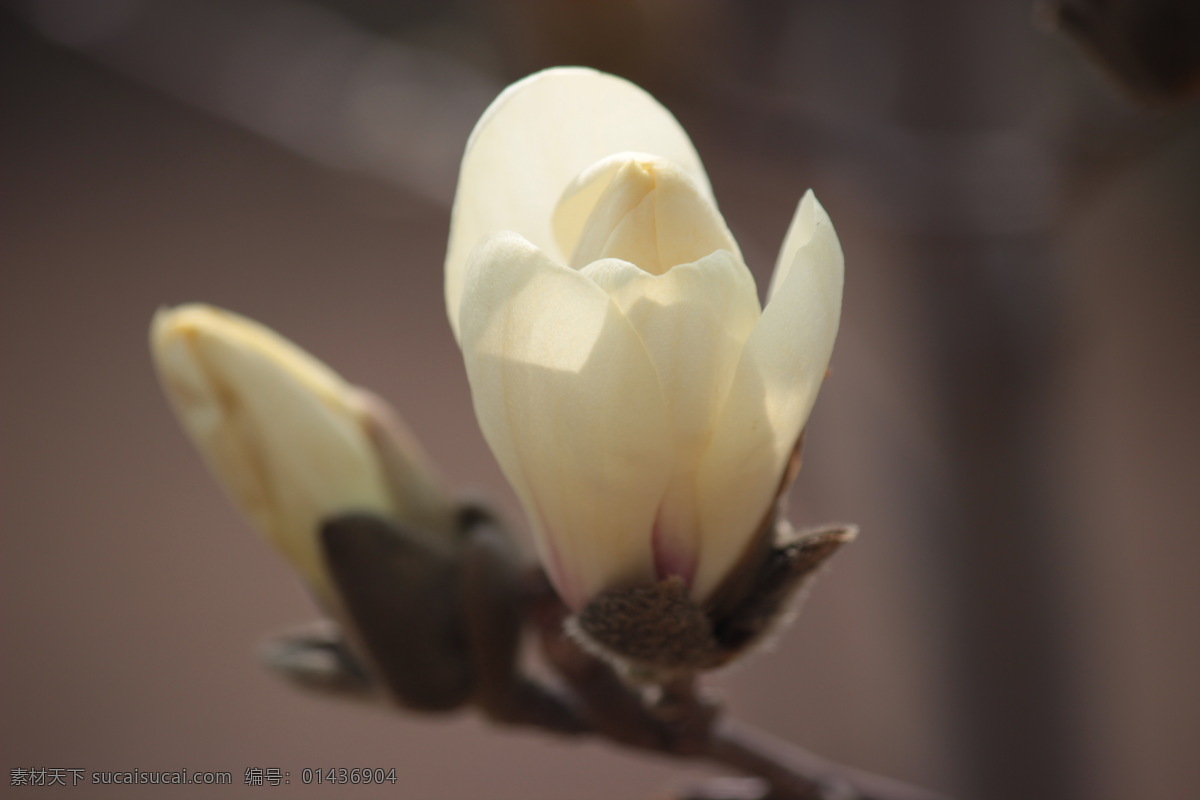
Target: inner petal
{"x": 642, "y": 209}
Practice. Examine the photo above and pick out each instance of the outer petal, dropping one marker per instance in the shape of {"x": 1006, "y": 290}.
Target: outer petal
{"x": 693, "y": 320}
{"x": 572, "y": 409}
{"x": 534, "y": 139}
{"x": 773, "y": 391}
{"x": 280, "y": 430}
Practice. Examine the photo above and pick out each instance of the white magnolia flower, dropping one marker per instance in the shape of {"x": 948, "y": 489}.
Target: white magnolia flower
{"x": 636, "y": 397}
{"x": 280, "y": 430}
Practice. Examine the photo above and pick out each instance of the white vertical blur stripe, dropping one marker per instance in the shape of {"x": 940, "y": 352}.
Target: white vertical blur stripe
{"x": 294, "y": 73}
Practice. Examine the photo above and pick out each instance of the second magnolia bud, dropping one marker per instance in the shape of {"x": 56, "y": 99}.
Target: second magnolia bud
{"x": 292, "y": 442}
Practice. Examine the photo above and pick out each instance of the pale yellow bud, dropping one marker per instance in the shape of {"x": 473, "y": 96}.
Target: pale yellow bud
{"x": 280, "y": 430}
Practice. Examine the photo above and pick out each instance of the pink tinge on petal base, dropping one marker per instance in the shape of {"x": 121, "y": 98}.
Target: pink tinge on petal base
{"x": 671, "y": 557}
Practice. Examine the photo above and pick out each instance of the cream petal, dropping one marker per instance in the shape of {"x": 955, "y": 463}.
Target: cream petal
{"x": 650, "y": 214}
{"x": 572, "y": 409}
{"x": 800, "y": 230}
{"x": 773, "y": 390}
{"x": 278, "y": 428}
{"x": 693, "y": 321}
{"x": 579, "y": 199}
{"x": 534, "y": 139}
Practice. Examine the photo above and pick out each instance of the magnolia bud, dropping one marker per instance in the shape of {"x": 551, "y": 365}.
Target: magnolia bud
{"x": 280, "y": 430}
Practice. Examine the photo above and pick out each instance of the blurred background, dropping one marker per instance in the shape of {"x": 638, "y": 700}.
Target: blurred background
{"x": 1011, "y": 416}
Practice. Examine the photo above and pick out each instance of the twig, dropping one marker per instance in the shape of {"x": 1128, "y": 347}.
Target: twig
{"x": 678, "y": 721}
{"x": 783, "y": 765}
{"x": 392, "y": 645}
